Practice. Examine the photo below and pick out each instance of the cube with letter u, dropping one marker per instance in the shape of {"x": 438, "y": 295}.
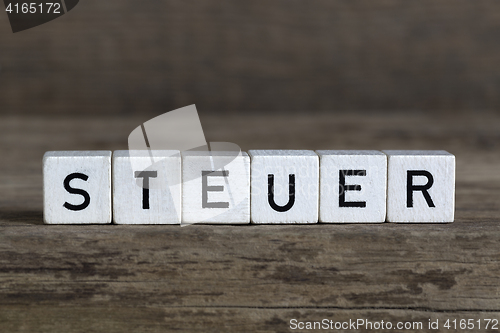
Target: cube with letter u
{"x": 284, "y": 186}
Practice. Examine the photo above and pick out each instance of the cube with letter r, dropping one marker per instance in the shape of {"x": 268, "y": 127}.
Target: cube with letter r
{"x": 420, "y": 186}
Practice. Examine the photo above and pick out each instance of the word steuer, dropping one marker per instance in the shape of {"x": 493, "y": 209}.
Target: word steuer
{"x": 261, "y": 186}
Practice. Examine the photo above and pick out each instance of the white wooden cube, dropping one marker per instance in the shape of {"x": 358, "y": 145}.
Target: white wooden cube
{"x": 77, "y": 187}
{"x": 284, "y": 186}
{"x": 215, "y": 187}
{"x": 147, "y": 187}
{"x": 352, "y": 186}
{"x": 420, "y": 186}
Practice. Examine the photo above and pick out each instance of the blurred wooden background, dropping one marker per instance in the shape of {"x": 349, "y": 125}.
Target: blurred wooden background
{"x": 130, "y": 57}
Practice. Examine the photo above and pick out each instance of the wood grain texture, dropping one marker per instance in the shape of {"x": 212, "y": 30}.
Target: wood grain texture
{"x": 252, "y": 277}
{"x": 119, "y": 57}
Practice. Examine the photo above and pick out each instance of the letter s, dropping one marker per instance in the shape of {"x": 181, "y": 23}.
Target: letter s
{"x": 72, "y": 190}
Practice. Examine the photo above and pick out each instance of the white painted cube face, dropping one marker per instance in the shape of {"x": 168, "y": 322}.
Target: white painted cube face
{"x": 421, "y": 186}
{"x": 352, "y": 186}
{"x": 215, "y": 195}
{"x": 284, "y": 186}
{"x": 147, "y": 187}
{"x": 77, "y": 187}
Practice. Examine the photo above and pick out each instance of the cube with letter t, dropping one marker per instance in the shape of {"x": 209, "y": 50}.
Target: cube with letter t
{"x": 147, "y": 187}
{"x": 421, "y": 186}
{"x": 77, "y": 187}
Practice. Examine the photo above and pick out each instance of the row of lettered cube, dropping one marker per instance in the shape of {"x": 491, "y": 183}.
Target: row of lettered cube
{"x": 263, "y": 186}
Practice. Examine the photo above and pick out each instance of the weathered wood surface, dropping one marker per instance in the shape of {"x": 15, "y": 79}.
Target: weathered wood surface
{"x": 249, "y": 278}
{"x": 125, "y": 57}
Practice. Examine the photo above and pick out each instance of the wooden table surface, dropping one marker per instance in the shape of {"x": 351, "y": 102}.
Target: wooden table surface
{"x": 250, "y": 278}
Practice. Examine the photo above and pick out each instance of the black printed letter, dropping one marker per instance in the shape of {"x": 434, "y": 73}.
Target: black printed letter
{"x": 206, "y": 188}
{"x": 343, "y": 188}
{"x": 72, "y": 190}
{"x": 291, "y": 193}
{"x": 145, "y": 185}
{"x": 410, "y": 187}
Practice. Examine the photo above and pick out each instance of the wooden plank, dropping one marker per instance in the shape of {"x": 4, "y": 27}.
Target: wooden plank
{"x": 426, "y": 266}
{"x": 217, "y": 319}
{"x": 256, "y": 277}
